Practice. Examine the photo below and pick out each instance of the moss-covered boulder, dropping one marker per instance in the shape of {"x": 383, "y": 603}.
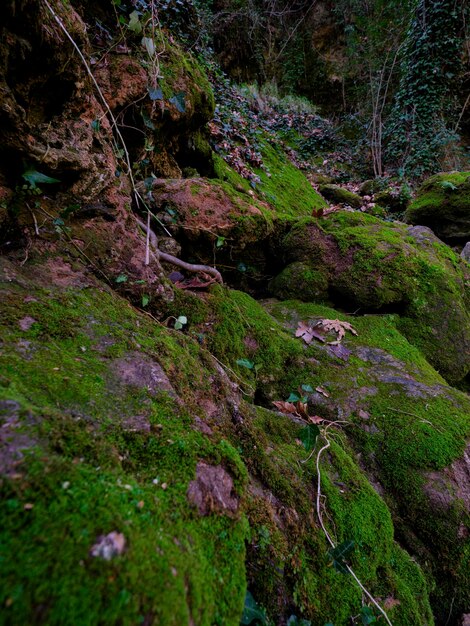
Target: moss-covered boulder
{"x": 340, "y": 195}
{"x": 380, "y": 383}
{"x": 443, "y": 203}
{"x": 371, "y": 265}
{"x": 137, "y": 484}
{"x": 300, "y": 279}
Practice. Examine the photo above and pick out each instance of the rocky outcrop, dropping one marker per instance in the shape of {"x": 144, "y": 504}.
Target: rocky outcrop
{"x": 443, "y": 204}
{"x": 364, "y": 264}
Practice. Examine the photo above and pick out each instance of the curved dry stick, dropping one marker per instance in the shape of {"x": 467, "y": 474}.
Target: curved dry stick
{"x": 169, "y": 258}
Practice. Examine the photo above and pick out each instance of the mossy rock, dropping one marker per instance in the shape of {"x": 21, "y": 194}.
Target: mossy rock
{"x": 443, "y": 203}
{"x": 369, "y": 187}
{"x": 379, "y": 381}
{"x": 372, "y": 266}
{"x": 410, "y": 429}
{"x": 109, "y": 425}
{"x": 340, "y": 195}
{"x": 299, "y": 280}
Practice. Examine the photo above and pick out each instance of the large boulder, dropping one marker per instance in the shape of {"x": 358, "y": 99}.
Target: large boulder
{"x": 369, "y": 265}
{"x": 443, "y": 203}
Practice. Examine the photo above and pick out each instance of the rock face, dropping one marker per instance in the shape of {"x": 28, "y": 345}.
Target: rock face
{"x": 443, "y": 204}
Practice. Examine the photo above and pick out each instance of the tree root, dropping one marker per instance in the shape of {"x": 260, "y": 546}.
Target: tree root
{"x": 169, "y": 258}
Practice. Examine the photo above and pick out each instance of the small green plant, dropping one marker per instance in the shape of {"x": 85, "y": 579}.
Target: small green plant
{"x": 180, "y": 322}
{"x": 252, "y": 612}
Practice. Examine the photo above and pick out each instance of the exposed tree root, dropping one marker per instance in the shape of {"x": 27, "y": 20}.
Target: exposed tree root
{"x": 169, "y": 258}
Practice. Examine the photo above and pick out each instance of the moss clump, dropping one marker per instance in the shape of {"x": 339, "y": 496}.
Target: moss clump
{"x": 443, "y": 204}
{"x": 184, "y": 78}
{"x": 284, "y": 186}
{"x": 300, "y": 280}
{"x": 339, "y": 195}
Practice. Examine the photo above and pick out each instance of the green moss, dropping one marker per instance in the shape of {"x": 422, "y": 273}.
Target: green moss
{"x": 284, "y": 186}
{"x": 373, "y": 266}
{"x": 340, "y": 195}
{"x": 224, "y": 172}
{"x": 90, "y": 472}
{"x": 182, "y": 74}
{"x": 300, "y": 279}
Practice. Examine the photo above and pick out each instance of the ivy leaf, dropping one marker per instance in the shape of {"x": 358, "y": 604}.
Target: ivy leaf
{"x": 308, "y": 436}
{"x": 367, "y": 616}
{"x": 220, "y": 242}
{"x": 181, "y": 321}
{"x": 33, "y": 177}
{"x": 252, "y": 611}
{"x": 155, "y": 94}
{"x": 179, "y": 102}
{"x": 145, "y": 300}
{"x": 134, "y": 23}
{"x": 293, "y": 397}
{"x": 246, "y": 363}
{"x": 307, "y": 388}
{"x": 147, "y": 122}
{"x": 122, "y": 278}
{"x": 149, "y": 45}
{"x": 339, "y": 554}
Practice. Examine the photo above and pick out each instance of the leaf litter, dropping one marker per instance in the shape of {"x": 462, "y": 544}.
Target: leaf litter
{"x": 320, "y": 329}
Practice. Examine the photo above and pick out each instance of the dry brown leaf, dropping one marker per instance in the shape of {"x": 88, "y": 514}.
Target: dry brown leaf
{"x": 286, "y": 407}
{"x": 323, "y": 391}
{"x": 316, "y": 419}
{"x": 308, "y": 333}
{"x": 338, "y": 327}
{"x": 302, "y": 409}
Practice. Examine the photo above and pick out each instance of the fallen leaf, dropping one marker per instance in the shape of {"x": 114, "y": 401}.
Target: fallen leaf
{"x": 302, "y": 409}
{"x": 390, "y": 602}
{"x": 286, "y": 407}
{"x": 308, "y": 333}
{"x": 338, "y": 327}
{"x": 323, "y": 391}
{"x": 315, "y": 419}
